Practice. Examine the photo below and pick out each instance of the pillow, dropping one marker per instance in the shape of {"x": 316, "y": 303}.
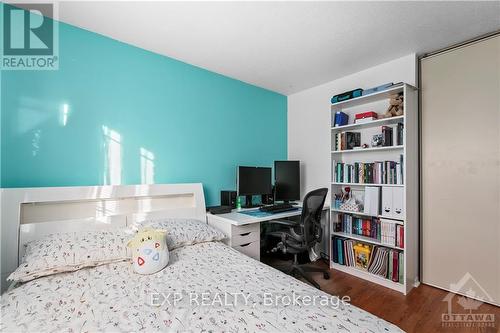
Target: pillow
{"x": 149, "y": 251}
{"x": 68, "y": 252}
{"x": 182, "y": 232}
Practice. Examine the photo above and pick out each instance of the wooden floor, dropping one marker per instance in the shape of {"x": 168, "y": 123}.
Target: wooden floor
{"x": 420, "y": 311}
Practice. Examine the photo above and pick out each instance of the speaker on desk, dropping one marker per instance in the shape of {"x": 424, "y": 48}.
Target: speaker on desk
{"x": 228, "y": 198}
{"x": 268, "y": 199}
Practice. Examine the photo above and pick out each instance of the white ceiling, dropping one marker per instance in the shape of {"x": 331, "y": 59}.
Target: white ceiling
{"x": 285, "y": 46}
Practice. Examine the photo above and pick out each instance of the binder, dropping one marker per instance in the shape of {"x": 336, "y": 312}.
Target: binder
{"x": 398, "y": 210}
{"x": 372, "y": 201}
{"x": 386, "y": 201}
{"x": 401, "y": 267}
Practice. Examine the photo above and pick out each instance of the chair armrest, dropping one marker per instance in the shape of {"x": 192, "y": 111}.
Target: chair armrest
{"x": 284, "y": 222}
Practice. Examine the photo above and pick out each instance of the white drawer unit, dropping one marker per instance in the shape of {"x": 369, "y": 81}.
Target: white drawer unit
{"x": 244, "y": 238}
{"x": 250, "y": 249}
{"x": 239, "y": 238}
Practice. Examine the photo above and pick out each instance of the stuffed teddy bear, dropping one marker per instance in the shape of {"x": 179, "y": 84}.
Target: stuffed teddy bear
{"x": 395, "y": 106}
{"x": 149, "y": 251}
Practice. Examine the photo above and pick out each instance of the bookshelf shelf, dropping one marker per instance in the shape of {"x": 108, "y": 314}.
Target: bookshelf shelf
{"x": 377, "y": 96}
{"x": 367, "y": 184}
{"x": 365, "y": 239}
{"x": 369, "y": 276}
{"x": 349, "y": 151}
{"x": 378, "y": 122}
{"x": 371, "y": 165}
{"x": 389, "y": 219}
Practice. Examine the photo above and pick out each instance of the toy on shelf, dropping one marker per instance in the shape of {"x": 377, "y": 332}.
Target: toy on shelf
{"x": 362, "y": 253}
{"x": 395, "y": 106}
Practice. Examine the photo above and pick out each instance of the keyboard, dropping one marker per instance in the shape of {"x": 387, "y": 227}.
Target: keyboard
{"x": 278, "y": 208}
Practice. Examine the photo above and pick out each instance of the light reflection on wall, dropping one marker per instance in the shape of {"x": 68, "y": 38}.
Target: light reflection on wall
{"x": 64, "y": 114}
{"x": 35, "y": 142}
{"x": 147, "y": 166}
{"x": 112, "y": 157}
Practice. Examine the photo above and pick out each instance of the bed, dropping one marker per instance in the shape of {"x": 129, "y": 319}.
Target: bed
{"x": 207, "y": 286}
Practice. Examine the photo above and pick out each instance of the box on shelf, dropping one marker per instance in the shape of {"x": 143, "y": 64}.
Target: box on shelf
{"x": 340, "y": 119}
{"x": 365, "y": 117}
{"x": 376, "y": 89}
{"x": 347, "y": 95}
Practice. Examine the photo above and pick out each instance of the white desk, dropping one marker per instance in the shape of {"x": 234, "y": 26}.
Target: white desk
{"x": 243, "y": 231}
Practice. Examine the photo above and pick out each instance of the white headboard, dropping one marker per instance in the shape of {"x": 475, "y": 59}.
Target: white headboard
{"x": 30, "y": 213}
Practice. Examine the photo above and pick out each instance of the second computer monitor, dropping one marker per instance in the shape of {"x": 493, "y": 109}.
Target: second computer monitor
{"x": 287, "y": 180}
{"x": 253, "y": 181}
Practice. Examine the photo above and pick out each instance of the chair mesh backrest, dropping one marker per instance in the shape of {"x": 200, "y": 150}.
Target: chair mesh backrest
{"x": 312, "y": 207}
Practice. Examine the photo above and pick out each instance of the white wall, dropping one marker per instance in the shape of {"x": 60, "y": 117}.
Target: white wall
{"x": 309, "y": 116}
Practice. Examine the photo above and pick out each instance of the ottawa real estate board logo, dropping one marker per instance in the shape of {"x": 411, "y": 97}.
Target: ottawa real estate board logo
{"x": 29, "y": 36}
{"x": 465, "y": 308}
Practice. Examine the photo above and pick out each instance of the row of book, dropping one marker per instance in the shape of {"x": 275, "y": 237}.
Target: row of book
{"x": 358, "y": 226}
{"x": 392, "y": 136}
{"x": 391, "y": 233}
{"x": 343, "y": 251}
{"x": 385, "y": 231}
{"x": 387, "y": 263}
{"x": 347, "y": 140}
{"x": 386, "y": 172}
{"x": 381, "y": 261}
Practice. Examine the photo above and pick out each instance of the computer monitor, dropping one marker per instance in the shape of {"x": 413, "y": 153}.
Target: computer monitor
{"x": 253, "y": 181}
{"x": 287, "y": 180}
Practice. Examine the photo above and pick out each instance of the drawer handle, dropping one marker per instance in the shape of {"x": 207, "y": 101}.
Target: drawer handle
{"x": 245, "y": 234}
{"x": 243, "y": 245}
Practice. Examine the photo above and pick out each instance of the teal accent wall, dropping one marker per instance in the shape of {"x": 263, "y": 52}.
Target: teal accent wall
{"x": 86, "y": 123}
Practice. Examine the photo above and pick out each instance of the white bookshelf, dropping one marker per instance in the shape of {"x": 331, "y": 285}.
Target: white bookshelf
{"x": 379, "y": 102}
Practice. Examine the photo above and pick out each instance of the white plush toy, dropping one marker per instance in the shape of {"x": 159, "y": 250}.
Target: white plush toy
{"x": 149, "y": 251}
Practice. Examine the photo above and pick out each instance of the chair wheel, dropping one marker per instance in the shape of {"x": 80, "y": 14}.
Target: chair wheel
{"x": 326, "y": 276}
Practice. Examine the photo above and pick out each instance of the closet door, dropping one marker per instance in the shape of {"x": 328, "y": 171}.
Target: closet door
{"x": 460, "y": 142}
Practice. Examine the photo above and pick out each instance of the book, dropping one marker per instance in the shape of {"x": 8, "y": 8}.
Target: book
{"x": 401, "y": 267}
{"x": 353, "y": 139}
{"x": 334, "y": 163}
{"x": 400, "y": 236}
{"x": 400, "y": 128}
{"x": 391, "y": 265}
{"x": 340, "y": 243}
{"x": 387, "y": 136}
{"x": 395, "y": 266}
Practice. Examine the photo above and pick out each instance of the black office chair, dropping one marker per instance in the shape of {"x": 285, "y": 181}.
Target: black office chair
{"x": 303, "y": 236}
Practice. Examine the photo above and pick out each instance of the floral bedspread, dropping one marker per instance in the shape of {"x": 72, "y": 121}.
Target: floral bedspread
{"x": 206, "y": 287}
